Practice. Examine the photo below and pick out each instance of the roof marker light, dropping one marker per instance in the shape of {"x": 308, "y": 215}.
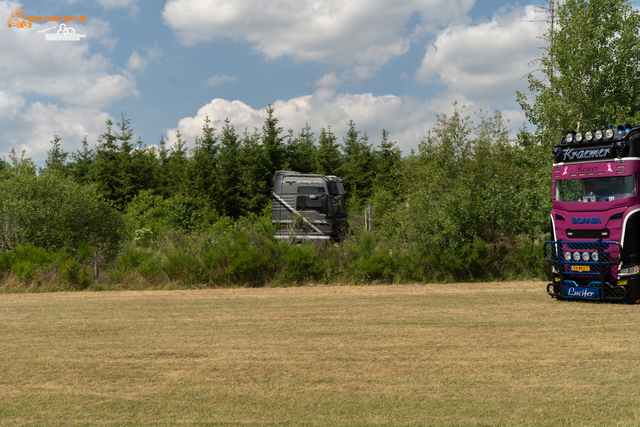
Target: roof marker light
{"x": 621, "y": 130}
{"x": 627, "y": 127}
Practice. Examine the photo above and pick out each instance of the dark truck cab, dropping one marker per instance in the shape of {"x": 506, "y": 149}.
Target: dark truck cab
{"x": 316, "y": 200}
{"x": 595, "y": 218}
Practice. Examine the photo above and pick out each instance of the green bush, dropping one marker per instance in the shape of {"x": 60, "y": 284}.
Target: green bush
{"x": 301, "y": 262}
{"x": 53, "y": 212}
{"x": 74, "y": 274}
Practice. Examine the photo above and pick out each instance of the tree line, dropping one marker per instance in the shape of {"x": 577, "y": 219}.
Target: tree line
{"x": 472, "y": 203}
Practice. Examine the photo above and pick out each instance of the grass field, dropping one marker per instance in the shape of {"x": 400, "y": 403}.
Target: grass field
{"x": 494, "y": 354}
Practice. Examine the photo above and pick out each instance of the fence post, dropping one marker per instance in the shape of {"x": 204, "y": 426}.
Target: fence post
{"x": 368, "y": 215}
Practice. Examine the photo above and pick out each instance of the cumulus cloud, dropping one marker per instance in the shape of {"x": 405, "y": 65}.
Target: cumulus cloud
{"x": 65, "y": 70}
{"x": 487, "y": 61}
{"x": 358, "y": 33}
{"x": 114, "y": 4}
{"x": 139, "y": 62}
{"x": 405, "y": 118}
{"x": 30, "y": 126}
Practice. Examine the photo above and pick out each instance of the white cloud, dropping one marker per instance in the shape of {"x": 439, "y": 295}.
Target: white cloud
{"x": 485, "y": 62}
{"x": 114, "y": 4}
{"x": 139, "y": 63}
{"x": 329, "y": 81}
{"x": 217, "y": 79}
{"x": 65, "y": 70}
{"x": 31, "y": 127}
{"x": 363, "y": 34}
{"x": 406, "y": 119}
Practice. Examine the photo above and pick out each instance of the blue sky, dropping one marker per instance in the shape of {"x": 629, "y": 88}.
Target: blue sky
{"x": 167, "y": 65}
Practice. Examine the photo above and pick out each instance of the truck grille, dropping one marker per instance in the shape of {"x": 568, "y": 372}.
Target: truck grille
{"x": 588, "y": 234}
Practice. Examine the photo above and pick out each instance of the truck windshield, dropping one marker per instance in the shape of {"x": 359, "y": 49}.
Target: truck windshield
{"x": 595, "y": 189}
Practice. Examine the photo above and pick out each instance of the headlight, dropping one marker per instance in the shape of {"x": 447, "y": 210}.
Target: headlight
{"x": 595, "y": 256}
{"x": 576, "y": 256}
{"x": 598, "y": 134}
{"x": 627, "y": 271}
{"x": 608, "y": 133}
{"x": 588, "y": 135}
{"x": 585, "y": 256}
{"x": 569, "y": 138}
{"x": 567, "y": 256}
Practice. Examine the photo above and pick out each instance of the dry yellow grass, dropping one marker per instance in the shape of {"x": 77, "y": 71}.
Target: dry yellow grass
{"x": 462, "y": 354}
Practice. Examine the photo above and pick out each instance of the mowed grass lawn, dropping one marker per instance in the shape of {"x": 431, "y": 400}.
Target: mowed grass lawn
{"x": 443, "y": 355}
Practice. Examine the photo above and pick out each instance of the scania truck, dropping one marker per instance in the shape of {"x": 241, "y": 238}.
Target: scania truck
{"x": 308, "y": 207}
{"x": 595, "y": 251}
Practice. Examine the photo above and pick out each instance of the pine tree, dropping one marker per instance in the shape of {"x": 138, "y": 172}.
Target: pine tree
{"x": 301, "y": 151}
{"x": 256, "y": 192}
{"x": 358, "y": 168}
{"x": 201, "y": 169}
{"x": 229, "y": 178}
{"x": 81, "y": 163}
{"x": 56, "y": 157}
{"x": 328, "y": 156}
{"x": 272, "y": 143}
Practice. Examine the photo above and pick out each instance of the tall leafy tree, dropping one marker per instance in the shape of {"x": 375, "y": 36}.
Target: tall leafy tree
{"x": 592, "y": 69}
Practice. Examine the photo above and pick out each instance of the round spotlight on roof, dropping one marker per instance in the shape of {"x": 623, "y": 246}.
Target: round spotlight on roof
{"x": 588, "y": 135}
{"x": 579, "y": 137}
{"x": 569, "y": 137}
{"x": 599, "y": 134}
{"x": 608, "y": 133}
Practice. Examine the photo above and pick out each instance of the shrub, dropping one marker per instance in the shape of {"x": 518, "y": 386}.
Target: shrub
{"x": 301, "y": 262}
{"x": 53, "y": 212}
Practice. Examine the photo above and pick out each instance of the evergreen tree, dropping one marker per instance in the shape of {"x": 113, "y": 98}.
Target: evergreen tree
{"x": 202, "y": 166}
{"x": 388, "y": 165}
{"x": 272, "y": 143}
{"x": 256, "y": 192}
{"x": 82, "y": 160}
{"x": 56, "y": 157}
{"x": 105, "y": 171}
{"x": 175, "y": 166}
{"x": 328, "y": 156}
{"x": 358, "y": 168}
{"x": 229, "y": 176}
{"x": 301, "y": 151}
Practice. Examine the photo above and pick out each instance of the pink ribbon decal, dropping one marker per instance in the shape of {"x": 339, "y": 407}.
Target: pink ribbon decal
{"x": 565, "y": 170}
{"x": 609, "y": 167}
